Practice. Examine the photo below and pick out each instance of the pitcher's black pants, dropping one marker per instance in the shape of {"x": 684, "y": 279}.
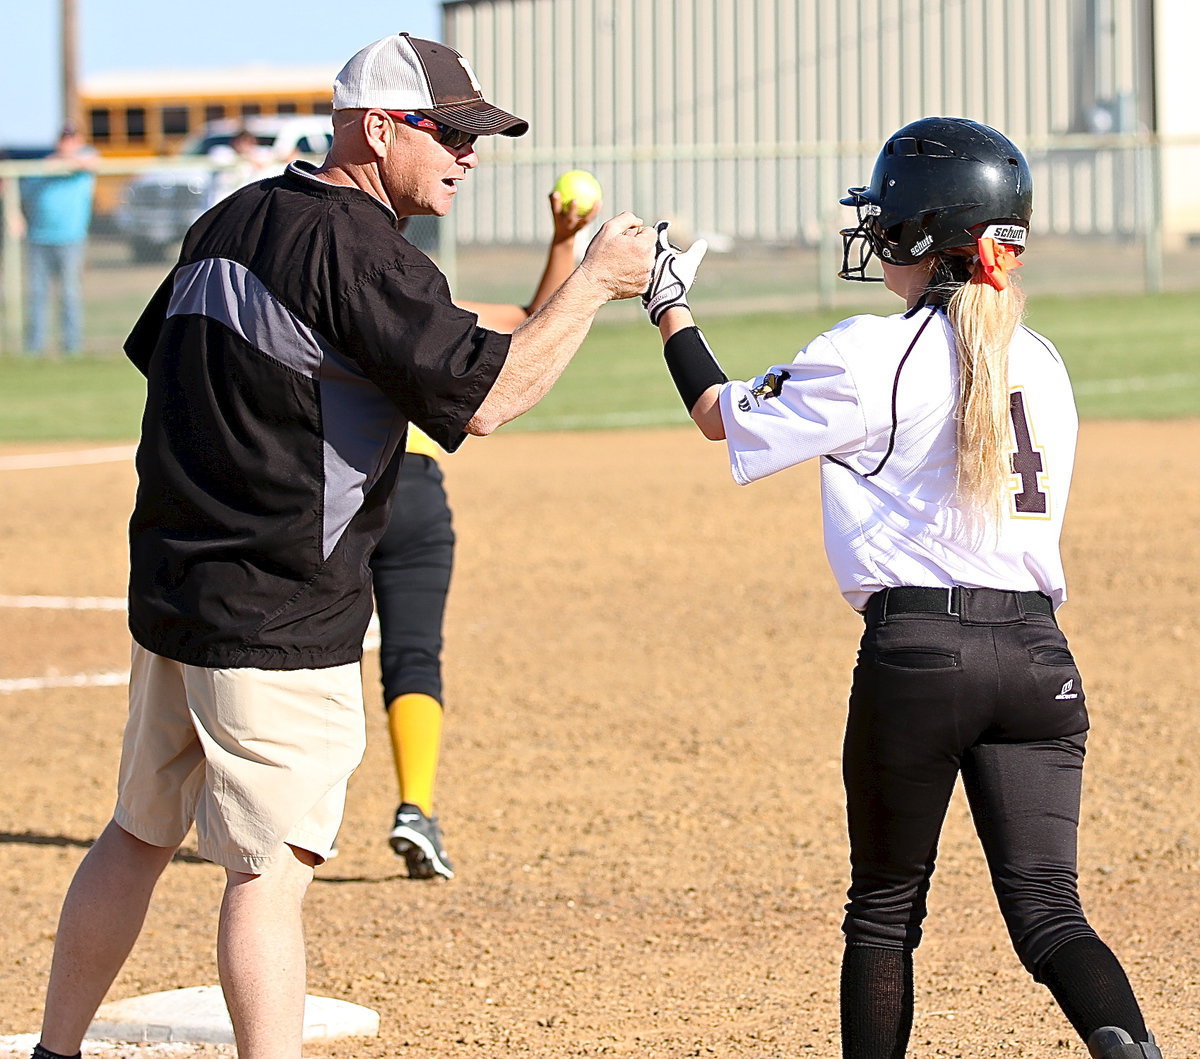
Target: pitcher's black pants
{"x": 410, "y": 570}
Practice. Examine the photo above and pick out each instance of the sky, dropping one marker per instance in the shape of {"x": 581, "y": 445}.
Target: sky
{"x": 120, "y": 35}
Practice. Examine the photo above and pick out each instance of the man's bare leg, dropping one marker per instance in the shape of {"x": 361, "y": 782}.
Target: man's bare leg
{"x": 260, "y": 956}
{"x": 101, "y": 918}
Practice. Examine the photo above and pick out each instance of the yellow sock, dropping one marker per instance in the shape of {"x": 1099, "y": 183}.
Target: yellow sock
{"x": 415, "y": 725}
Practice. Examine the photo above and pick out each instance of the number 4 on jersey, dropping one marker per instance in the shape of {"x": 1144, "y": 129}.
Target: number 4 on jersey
{"x": 1026, "y": 460}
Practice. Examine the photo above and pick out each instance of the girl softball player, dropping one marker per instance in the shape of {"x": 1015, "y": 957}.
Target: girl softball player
{"x": 946, "y": 435}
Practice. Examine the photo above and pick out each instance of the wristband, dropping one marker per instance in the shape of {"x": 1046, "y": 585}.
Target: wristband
{"x": 692, "y": 365}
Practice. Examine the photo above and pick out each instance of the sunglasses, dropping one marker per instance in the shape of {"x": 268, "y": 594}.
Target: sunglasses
{"x": 447, "y": 135}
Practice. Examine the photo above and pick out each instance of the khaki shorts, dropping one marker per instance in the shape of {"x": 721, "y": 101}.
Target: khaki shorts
{"x": 256, "y": 758}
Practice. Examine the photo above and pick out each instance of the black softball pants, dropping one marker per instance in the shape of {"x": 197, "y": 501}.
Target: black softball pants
{"x": 410, "y": 571}
{"x": 986, "y": 688}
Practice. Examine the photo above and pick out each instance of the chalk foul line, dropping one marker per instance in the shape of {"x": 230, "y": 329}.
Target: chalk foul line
{"x": 9, "y": 685}
{"x": 64, "y": 602}
{"x": 108, "y": 679}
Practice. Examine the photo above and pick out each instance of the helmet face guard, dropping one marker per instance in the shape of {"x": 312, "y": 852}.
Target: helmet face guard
{"x": 863, "y": 241}
{"x": 938, "y": 184}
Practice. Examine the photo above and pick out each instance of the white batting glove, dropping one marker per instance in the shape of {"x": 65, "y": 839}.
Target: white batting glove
{"x": 673, "y": 273}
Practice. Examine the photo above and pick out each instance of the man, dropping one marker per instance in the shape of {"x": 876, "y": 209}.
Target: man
{"x": 284, "y": 355}
{"x": 58, "y": 211}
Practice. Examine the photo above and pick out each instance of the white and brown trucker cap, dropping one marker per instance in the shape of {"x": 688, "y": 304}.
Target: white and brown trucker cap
{"x": 401, "y": 72}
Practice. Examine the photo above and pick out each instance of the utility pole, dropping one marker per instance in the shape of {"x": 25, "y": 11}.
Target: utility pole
{"x": 70, "y": 65}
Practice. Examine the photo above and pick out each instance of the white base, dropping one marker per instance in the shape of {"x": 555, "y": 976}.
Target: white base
{"x": 198, "y": 1016}
{"x": 20, "y": 1045}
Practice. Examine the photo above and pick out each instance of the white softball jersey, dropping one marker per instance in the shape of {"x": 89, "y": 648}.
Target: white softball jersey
{"x": 874, "y": 399}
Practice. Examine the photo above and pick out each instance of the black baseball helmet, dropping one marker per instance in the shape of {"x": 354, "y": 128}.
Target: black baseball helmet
{"x": 939, "y": 183}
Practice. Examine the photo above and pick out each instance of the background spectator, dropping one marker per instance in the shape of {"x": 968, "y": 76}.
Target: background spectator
{"x": 58, "y": 211}
{"x": 242, "y": 162}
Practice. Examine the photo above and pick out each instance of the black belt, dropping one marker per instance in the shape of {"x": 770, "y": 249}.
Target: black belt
{"x": 981, "y": 604}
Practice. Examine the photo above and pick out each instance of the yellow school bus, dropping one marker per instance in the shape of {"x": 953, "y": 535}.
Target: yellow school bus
{"x": 149, "y": 113}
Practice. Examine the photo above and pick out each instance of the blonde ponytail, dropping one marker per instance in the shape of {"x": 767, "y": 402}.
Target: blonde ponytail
{"x": 984, "y": 320}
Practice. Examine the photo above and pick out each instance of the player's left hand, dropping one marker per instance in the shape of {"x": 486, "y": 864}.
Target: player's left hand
{"x": 673, "y": 274}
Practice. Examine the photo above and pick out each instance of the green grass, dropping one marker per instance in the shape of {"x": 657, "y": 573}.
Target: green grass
{"x": 1135, "y": 357}
{"x": 1131, "y": 357}
{"x": 82, "y": 399}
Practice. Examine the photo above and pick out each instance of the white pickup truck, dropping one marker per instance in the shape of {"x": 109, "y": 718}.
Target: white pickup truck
{"x": 159, "y": 205}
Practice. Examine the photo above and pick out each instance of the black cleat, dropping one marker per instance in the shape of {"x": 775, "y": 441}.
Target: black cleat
{"x": 1112, "y": 1042}
{"x": 418, "y": 839}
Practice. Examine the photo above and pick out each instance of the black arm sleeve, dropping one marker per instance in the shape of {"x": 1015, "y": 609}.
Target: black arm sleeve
{"x": 692, "y": 365}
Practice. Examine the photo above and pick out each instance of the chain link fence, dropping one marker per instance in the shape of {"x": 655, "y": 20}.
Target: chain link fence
{"x": 148, "y": 205}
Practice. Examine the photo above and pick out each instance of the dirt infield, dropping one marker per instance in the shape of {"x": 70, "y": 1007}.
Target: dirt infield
{"x": 646, "y": 675}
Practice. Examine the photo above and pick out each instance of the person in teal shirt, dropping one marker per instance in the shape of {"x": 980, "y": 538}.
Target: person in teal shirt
{"x": 58, "y": 211}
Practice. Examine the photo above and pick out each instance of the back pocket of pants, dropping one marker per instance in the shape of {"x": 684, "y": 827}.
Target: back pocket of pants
{"x": 1051, "y": 655}
{"x": 922, "y": 658}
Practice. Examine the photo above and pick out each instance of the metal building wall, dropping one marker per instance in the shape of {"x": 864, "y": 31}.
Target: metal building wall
{"x": 748, "y": 118}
